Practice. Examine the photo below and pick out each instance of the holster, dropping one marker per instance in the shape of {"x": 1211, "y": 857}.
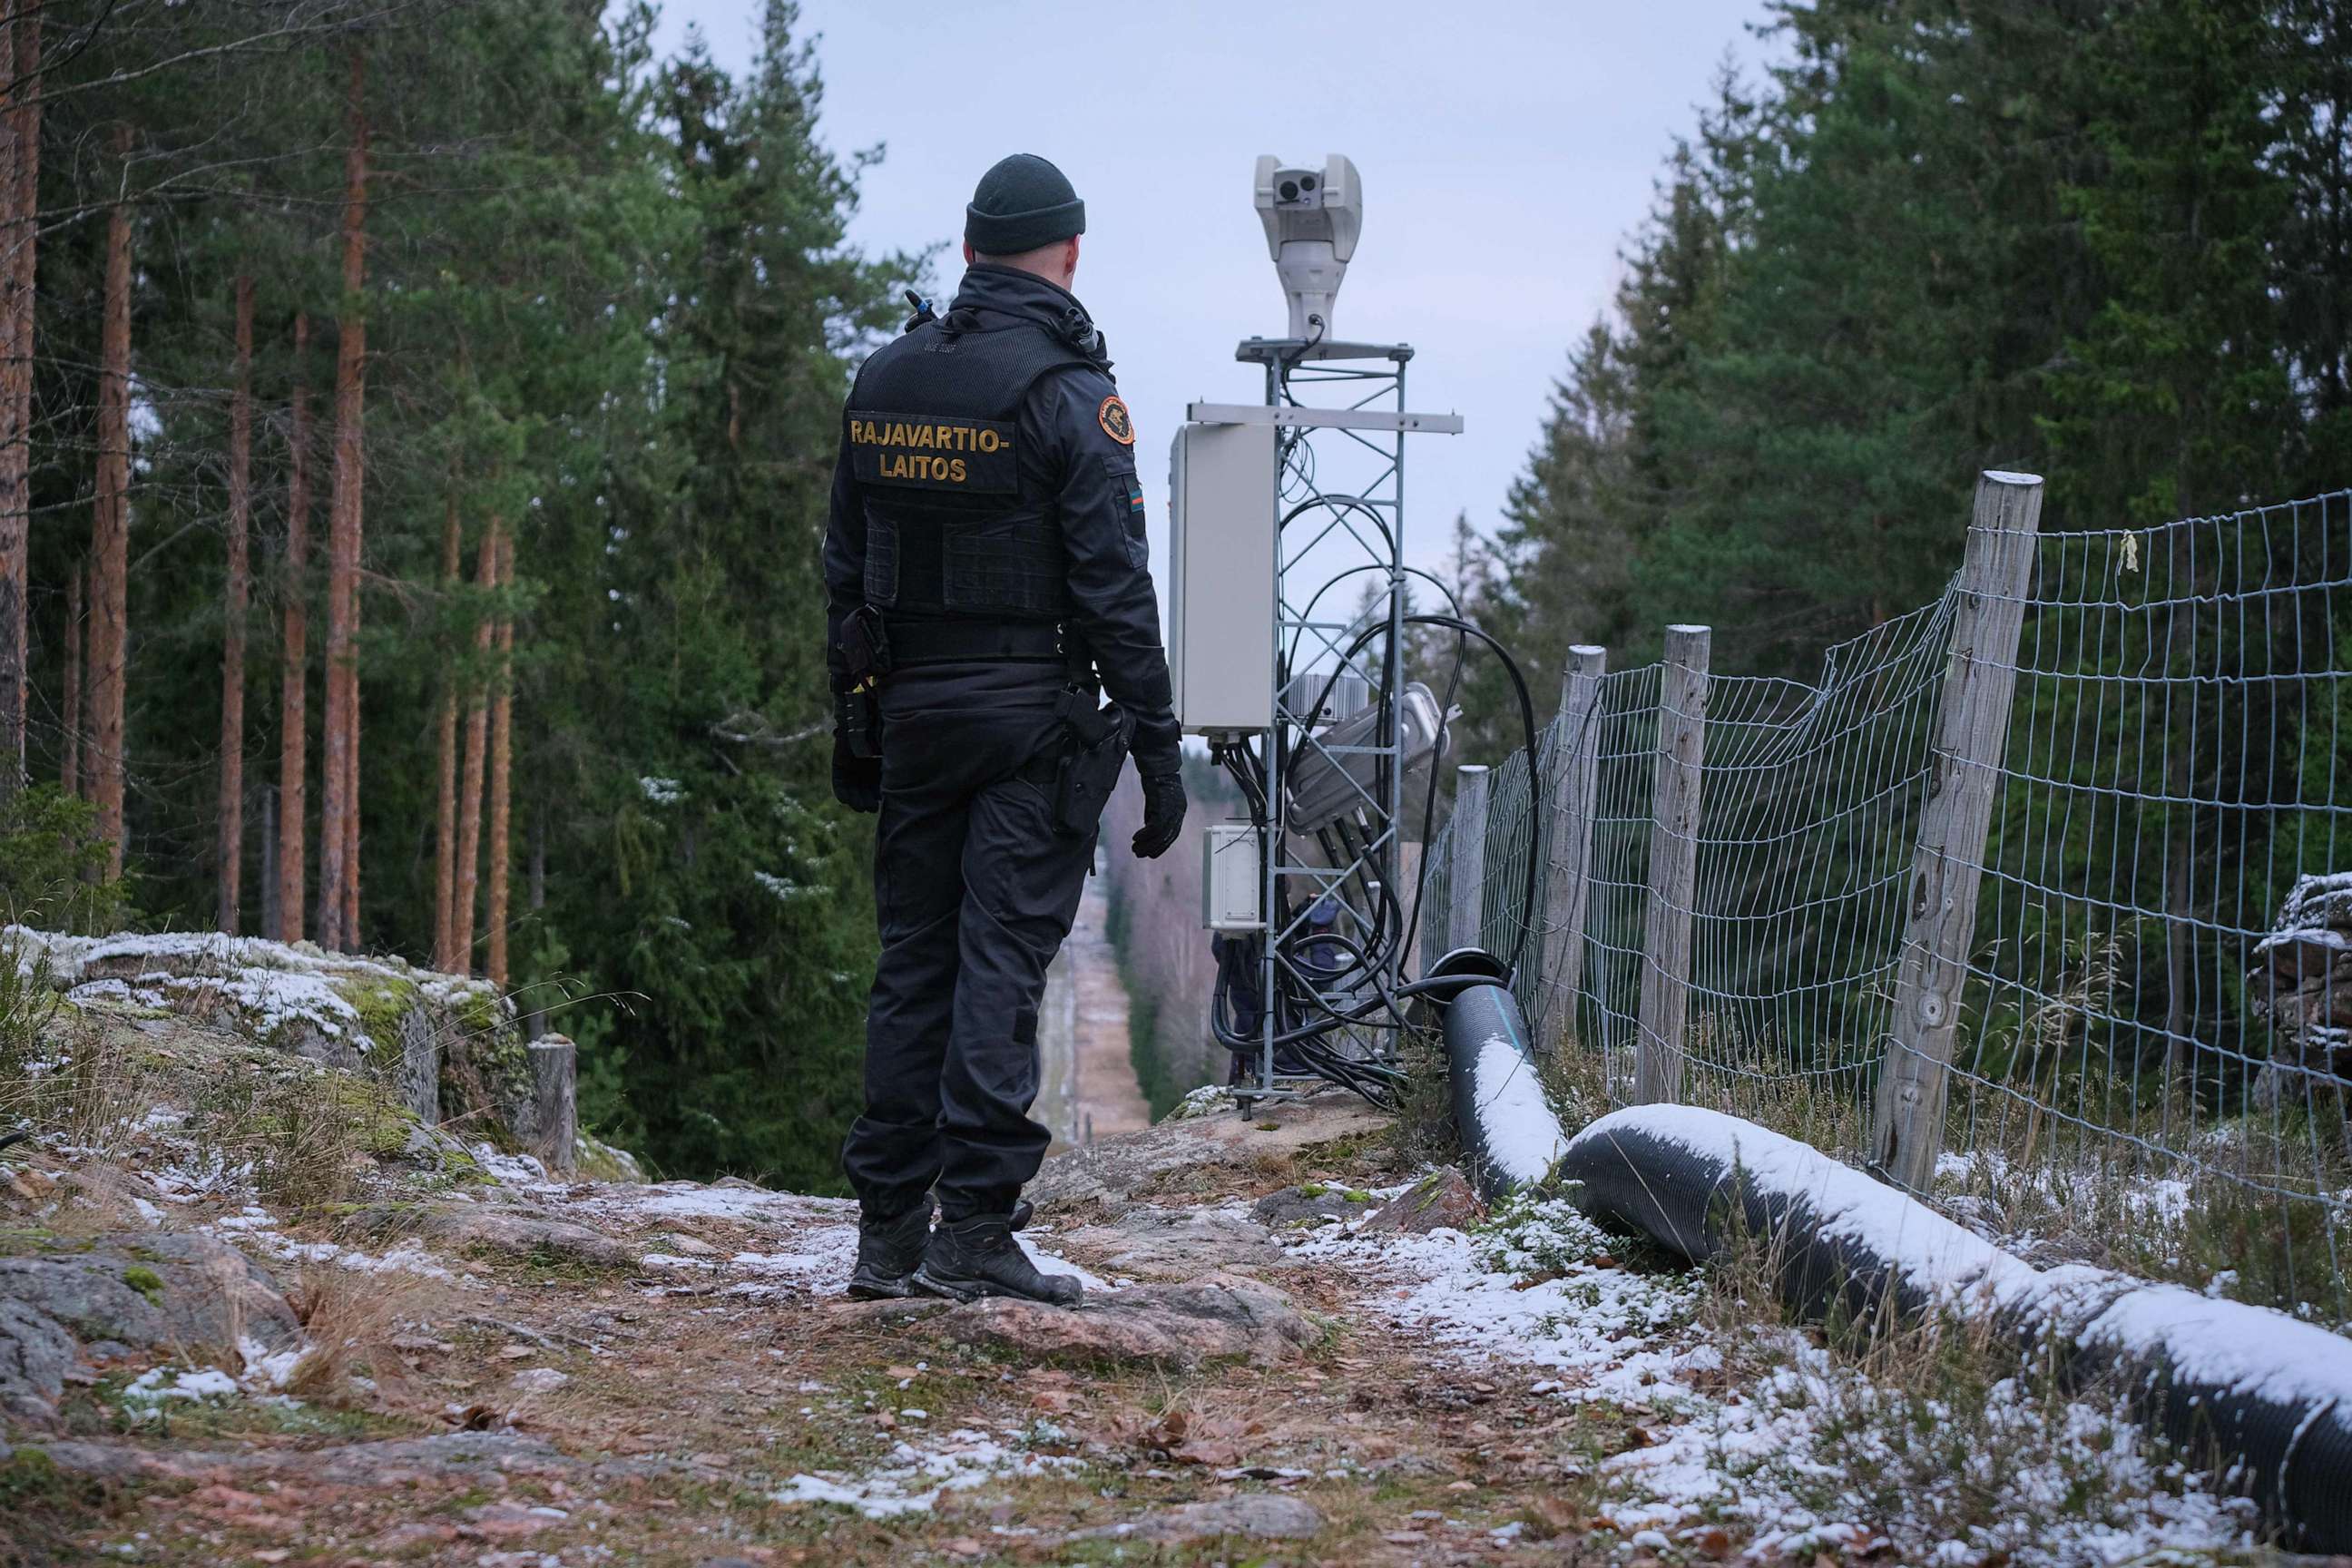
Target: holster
{"x": 864, "y": 646}
{"x": 1089, "y": 770}
{"x": 866, "y": 659}
{"x": 857, "y": 720}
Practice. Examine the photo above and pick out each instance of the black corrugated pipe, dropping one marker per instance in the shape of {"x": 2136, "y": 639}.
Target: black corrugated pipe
{"x": 2270, "y": 1396}
{"x": 1510, "y": 1137}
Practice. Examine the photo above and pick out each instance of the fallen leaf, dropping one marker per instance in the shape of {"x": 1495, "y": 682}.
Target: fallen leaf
{"x": 902, "y": 1373}
{"x": 1713, "y": 1542}
{"x": 962, "y": 1546}
{"x": 517, "y": 1353}
{"x": 1602, "y": 1260}
{"x": 1461, "y": 1486}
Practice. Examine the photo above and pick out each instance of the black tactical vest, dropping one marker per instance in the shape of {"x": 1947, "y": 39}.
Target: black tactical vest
{"x": 956, "y": 527}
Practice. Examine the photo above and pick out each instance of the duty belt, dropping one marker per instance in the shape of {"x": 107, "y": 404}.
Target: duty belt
{"x": 972, "y": 642}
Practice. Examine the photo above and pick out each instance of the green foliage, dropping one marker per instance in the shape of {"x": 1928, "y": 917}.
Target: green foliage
{"x": 2100, "y": 243}
{"x": 609, "y": 304}
{"x": 1940, "y": 237}
{"x": 53, "y": 864}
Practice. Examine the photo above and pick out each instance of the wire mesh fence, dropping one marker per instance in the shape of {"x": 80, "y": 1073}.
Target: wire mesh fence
{"x": 2152, "y": 1053}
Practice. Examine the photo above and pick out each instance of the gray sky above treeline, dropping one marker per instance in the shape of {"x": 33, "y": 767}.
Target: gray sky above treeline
{"x": 1505, "y": 149}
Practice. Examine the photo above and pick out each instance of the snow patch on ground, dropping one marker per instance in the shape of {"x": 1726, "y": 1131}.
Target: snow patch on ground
{"x": 256, "y": 1229}
{"x": 1529, "y": 1290}
{"x": 1814, "y": 1450}
{"x": 1815, "y": 1457}
{"x": 911, "y": 1479}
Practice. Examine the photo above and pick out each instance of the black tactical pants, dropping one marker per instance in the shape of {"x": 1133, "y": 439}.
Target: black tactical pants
{"x": 975, "y": 892}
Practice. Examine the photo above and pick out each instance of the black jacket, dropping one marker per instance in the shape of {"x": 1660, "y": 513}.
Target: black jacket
{"x": 1072, "y": 463}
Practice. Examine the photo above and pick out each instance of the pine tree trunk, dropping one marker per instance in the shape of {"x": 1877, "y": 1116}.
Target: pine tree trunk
{"x": 338, "y": 793}
{"x": 445, "y": 822}
{"x": 294, "y": 688}
{"x": 534, "y": 1023}
{"x": 501, "y": 773}
{"x": 351, "y": 920}
{"x": 470, "y": 788}
{"x": 240, "y": 516}
{"x": 70, "y": 767}
{"x": 92, "y": 648}
{"x": 110, "y": 533}
{"x": 20, "y": 202}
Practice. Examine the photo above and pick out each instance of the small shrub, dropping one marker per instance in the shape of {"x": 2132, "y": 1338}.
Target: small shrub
{"x": 53, "y": 864}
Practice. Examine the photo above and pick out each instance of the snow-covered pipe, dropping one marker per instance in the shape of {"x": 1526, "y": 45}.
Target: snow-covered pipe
{"x": 1510, "y": 1137}
{"x": 2269, "y": 1396}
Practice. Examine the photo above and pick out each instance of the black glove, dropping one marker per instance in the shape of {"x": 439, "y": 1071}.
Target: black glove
{"x": 857, "y": 781}
{"x": 1163, "y": 815}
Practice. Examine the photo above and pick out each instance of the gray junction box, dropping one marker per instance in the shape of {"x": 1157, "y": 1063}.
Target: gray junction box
{"x": 1221, "y": 576}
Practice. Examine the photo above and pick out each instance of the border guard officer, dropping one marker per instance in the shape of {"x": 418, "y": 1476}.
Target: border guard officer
{"x": 987, "y": 583}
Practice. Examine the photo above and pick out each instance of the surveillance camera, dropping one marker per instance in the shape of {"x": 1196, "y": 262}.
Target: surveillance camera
{"x": 1312, "y": 217}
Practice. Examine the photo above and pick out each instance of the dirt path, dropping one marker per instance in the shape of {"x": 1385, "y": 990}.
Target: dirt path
{"x": 1089, "y": 1087}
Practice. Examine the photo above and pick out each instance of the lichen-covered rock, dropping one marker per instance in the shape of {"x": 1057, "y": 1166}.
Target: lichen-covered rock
{"x": 181, "y": 1293}
{"x": 448, "y": 1047}
{"x": 1178, "y": 1244}
{"x": 1258, "y": 1516}
{"x": 1217, "y": 1317}
{"x": 1443, "y": 1200}
{"x": 499, "y": 1228}
{"x": 1310, "y": 1204}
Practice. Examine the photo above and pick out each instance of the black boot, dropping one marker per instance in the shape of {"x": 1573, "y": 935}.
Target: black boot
{"x": 976, "y": 1256}
{"x": 888, "y": 1252}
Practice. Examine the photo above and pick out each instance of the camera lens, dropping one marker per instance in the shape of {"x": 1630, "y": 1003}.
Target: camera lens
{"x": 1306, "y": 182}
{"x": 1290, "y": 190}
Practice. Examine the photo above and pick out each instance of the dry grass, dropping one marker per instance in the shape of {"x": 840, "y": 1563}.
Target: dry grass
{"x": 307, "y": 1132}
{"x": 60, "y": 1073}
{"x": 352, "y": 1318}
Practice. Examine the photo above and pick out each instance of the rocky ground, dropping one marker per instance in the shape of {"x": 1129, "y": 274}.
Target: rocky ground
{"x": 1300, "y": 1345}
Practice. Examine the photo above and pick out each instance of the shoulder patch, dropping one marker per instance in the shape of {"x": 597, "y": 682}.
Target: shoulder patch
{"x": 1112, "y": 417}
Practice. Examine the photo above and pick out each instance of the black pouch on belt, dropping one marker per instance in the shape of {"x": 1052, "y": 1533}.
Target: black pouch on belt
{"x": 1088, "y": 771}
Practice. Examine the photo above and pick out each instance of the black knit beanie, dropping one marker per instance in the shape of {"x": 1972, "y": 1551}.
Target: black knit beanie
{"x": 1021, "y": 203}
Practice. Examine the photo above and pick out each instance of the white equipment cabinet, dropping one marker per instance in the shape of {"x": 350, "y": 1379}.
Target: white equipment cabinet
{"x": 1221, "y": 492}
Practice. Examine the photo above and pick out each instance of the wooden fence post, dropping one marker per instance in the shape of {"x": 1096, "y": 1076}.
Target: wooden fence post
{"x": 1466, "y": 909}
{"x": 1673, "y": 868}
{"x": 1963, "y": 781}
{"x": 555, "y": 1109}
{"x": 1576, "y": 763}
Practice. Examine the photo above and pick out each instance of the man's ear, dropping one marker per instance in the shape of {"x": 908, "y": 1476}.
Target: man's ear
{"x": 969, "y": 254}
{"x": 1070, "y": 261}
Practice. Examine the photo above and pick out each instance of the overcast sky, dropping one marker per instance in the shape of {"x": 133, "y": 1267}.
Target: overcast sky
{"x": 1505, "y": 150}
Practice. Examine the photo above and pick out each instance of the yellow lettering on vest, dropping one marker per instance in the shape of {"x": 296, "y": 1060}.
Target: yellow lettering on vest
{"x": 988, "y": 440}
{"x": 956, "y": 469}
